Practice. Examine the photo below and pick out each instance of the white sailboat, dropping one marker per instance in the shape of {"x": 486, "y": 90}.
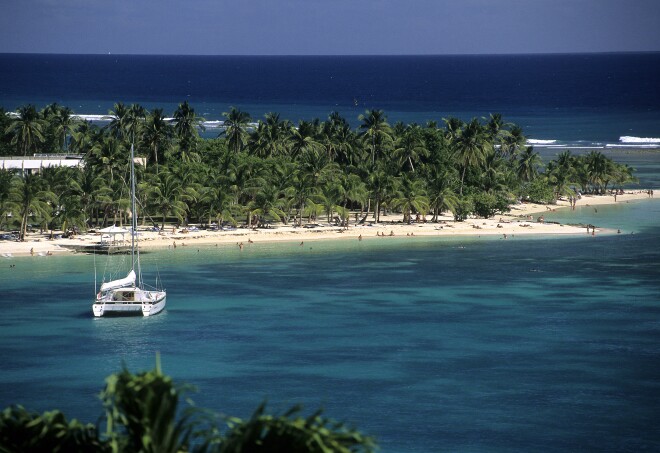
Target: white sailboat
{"x": 128, "y": 295}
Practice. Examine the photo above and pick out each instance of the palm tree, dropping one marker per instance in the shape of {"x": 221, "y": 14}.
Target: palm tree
{"x": 82, "y": 137}
{"x": 135, "y": 119}
{"x": 494, "y": 175}
{"x": 411, "y": 197}
{"x": 528, "y": 163}
{"x": 376, "y": 132}
{"x": 303, "y": 138}
{"x": 561, "y": 173}
{"x": 107, "y": 156}
{"x": 512, "y": 142}
{"x": 168, "y": 196}
{"x": 453, "y": 127}
{"x": 267, "y": 203}
{"x": 186, "y": 127}
{"x": 64, "y": 182}
{"x": 214, "y": 194}
{"x": 329, "y": 195}
{"x": 380, "y": 185}
{"x": 63, "y": 122}
{"x": 271, "y": 137}
{"x": 156, "y": 135}
{"x": 597, "y": 169}
{"x": 339, "y": 141}
{"x": 29, "y": 195}
{"x": 27, "y": 130}
{"x": 119, "y": 118}
{"x": 471, "y": 148}
{"x": 235, "y": 128}
{"x": 5, "y": 185}
{"x": 410, "y": 146}
{"x": 445, "y": 200}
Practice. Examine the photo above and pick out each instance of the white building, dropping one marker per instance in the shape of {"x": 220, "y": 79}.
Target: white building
{"x": 33, "y": 164}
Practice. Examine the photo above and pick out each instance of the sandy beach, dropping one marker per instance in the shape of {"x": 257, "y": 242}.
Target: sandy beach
{"x": 523, "y": 219}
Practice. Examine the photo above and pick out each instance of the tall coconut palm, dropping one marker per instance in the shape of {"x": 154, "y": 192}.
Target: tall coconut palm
{"x": 380, "y": 185}
{"x": 26, "y": 130}
{"x": 63, "y": 123}
{"x": 186, "y": 127}
{"x": 453, "y": 127}
{"x": 597, "y": 166}
{"x": 82, "y": 137}
{"x": 410, "y": 146}
{"x": 376, "y": 132}
{"x": 65, "y": 183}
{"x": 411, "y": 197}
{"x": 235, "y": 128}
{"x": 108, "y": 157}
{"x": 137, "y": 114}
{"x": 528, "y": 164}
{"x": 471, "y": 148}
{"x": 512, "y": 142}
{"x": 267, "y": 203}
{"x": 30, "y": 196}
{"x": 303, "y": 138}
{"x": 562, "y": 173}
{"x": 119, "y": 118}
{"x": 156, "y": 135}
{"x": 6, "y": 177}
{"x": 168, "y": 197}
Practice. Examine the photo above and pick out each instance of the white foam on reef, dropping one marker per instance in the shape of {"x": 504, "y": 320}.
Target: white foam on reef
{"x": 87, "y": 117}
{"x": 532, "y": 141}
{"x": 635, "y": 145}
{"x": 628, "y": 139}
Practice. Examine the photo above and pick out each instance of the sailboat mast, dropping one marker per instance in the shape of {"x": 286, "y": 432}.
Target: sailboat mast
{"x": 133, "y": 219}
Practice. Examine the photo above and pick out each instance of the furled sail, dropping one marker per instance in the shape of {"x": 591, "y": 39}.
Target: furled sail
{"x": 114, "y": 284}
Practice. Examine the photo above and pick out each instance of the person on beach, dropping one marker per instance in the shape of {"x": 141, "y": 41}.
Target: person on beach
{"x": 359, "y": 237}
{"x": 32, "y": 251}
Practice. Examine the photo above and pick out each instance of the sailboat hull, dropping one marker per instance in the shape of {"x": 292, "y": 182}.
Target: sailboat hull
{"x": 129, "y": 301}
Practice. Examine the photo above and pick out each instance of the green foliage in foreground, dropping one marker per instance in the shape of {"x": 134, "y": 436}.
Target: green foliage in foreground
{"x": 142, "y": 414}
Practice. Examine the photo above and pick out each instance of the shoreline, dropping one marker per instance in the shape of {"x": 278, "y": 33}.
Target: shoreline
{"x": 523, "y": 219}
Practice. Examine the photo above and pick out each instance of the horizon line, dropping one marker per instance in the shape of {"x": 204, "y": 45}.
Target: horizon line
{"x": 502, "y": 54}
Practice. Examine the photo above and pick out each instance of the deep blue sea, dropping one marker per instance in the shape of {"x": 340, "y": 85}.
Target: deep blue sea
{"x": 563, "y": 100}
{"x": 430, "y": 345}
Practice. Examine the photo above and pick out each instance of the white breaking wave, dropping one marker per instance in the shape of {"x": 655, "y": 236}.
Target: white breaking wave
{"x": 92, "y": 117}
{"x": 634, "y": 145}
{"x": 532, "y": 141}
{"x": 627, "y": 139}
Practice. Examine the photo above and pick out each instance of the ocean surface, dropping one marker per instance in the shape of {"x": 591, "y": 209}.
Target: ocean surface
{"x": 576, "y": 101}
{"x": 466, "y": 344}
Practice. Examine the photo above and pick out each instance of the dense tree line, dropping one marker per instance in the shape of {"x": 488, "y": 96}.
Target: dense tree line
{"x": 274, "y": 170}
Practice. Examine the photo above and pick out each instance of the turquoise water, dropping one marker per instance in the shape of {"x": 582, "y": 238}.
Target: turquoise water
{"x": 469, "y": 344}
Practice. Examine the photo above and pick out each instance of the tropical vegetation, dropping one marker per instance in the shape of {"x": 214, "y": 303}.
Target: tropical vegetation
{"x": 258, "y": 171}
{"x": 143, "y": 413}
